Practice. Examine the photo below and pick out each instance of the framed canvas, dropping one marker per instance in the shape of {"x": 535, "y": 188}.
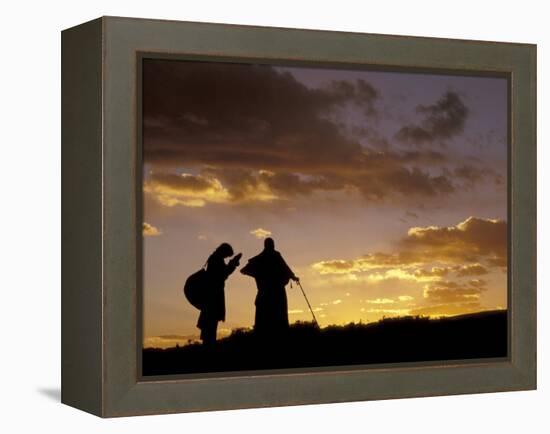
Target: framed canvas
{"x": 258, "y": 216}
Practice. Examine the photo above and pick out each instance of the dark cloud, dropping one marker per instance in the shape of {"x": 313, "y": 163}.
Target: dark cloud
{"x": 360, "y": 93}
{"x": 442, "y": 120}
{"x": 269, "y": 131}
{"x": 473, "y": 175}
{"x": 470, "y": 174}
{"x": 245, "y": 115}
{"x": 408, "y": 182}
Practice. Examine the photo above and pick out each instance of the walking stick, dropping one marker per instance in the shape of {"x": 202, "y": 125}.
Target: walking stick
{"x": 309, "y": 305}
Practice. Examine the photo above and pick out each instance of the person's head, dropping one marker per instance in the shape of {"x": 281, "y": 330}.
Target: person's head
{"x": 269, "y": 244}
{"x": 224, "y": 250}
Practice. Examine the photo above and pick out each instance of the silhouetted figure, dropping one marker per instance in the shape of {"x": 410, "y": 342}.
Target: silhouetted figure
{"x": 272, "y": 274}
{"x": 213, "y": 309}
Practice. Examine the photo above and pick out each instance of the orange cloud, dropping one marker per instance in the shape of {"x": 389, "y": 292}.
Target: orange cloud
{"x": 396, "y": 312}
{"x": 448, "y": 309}
{"x": 470, "y": 241}
{"x": 463, "y": 247}
{"x": 451, "y": 292}
{"x": 380, "y": 301}
{"x": 167, "y": 341}
{"x": 477, "y": 282}
{"x": 295, "y": 311}
{"x": 430, "y": 255}
{"x": 471, "y": 270}
{"x": 150, "y": 230}
{"x": 434, "y": 272}
{"x": 371, "y": 261}
{"x": 260, "y": 233}
{"x": 405, "y": 298}
{"x": 185, "y": 189}
{"x": 404, "y": 274}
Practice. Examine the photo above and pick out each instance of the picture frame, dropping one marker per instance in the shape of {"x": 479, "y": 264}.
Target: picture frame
{"x": 101, "y": 222}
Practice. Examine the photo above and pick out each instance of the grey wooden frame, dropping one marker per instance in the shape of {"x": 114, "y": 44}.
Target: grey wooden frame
{"x": 101, "y": 226}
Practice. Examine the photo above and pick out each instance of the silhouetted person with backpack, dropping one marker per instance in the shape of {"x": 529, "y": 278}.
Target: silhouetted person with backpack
{"x": 213, "y": 305}
{"x": 272, "y": 274}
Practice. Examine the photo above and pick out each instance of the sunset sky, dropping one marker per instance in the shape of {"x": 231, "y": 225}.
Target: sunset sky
{"x": 384, "y": 191}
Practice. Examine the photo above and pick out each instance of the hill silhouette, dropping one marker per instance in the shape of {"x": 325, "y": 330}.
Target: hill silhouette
{"x": 390, "y": 340}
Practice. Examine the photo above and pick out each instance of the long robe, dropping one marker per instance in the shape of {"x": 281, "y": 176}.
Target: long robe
{"x": 271, "y": 273}
{"x": 214, "y": 304}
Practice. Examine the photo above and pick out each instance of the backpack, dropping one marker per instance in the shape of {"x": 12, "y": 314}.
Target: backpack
{"x": 195, "y": 288}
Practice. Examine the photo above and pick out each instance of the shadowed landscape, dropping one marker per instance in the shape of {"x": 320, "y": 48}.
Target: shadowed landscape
{"x": 390, "y": 340}
{"x": 384, "y": 192}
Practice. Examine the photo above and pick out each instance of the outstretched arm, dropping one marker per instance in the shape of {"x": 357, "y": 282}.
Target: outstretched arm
{"x": 246, "y": 270}
{"x": 251, "y": 268}
{"x": 232, "y": 264}
{"x": 289, "y": 271}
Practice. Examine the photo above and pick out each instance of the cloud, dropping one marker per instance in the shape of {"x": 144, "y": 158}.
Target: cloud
{"x": 262, "y": 117}
{"x": 376, "y": 181}
{"x": 371, "y": 271}
{"x": 276, "y": 138}
{"x": 472, "y": 240}
{"x": 452, "y": 292}
{"x": 470, "y": 173}
{"x": 477, "y": 282}
{"x": 166, "y": 341}
{"x": 370, "y": 261}
{"x": 448, "y": 309}
{"x": 150, "y": 231}
{"x": 442, "y": 257}
{"x": 442, "y": 120}
{"x": 185, "y": 189}
{"x": 392, "y": 312}
{"x": 380, "y": 301}
{"x": 401, "y": 298}
{"x": 462, "y": 247}
{"x": 471, "y": 270}
{"x": 434, "y": 272}
{"x": 405, "y": 298}
{"x": 260, "y": 233}
{"x": 404, "y": 274}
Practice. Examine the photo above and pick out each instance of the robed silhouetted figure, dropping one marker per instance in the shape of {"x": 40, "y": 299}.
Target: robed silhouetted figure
{"x": 272, "y": 274}
{"x": 213, "y": 306}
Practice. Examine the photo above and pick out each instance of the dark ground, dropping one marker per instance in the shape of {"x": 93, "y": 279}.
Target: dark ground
{"x": 406, "y": 339}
